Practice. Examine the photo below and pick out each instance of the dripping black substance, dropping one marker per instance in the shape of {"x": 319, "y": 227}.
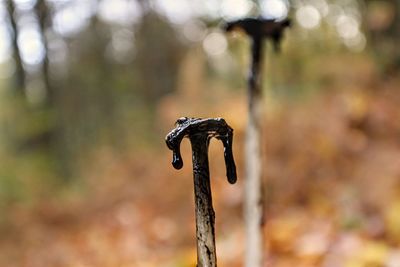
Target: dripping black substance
{"x": 218, "y": 128}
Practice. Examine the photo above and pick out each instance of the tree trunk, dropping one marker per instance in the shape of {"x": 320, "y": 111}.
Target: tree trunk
{"x": 43, "y": 13}
{"x": 19, "y": 80}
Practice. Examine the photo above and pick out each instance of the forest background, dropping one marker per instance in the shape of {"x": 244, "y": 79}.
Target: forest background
{"x": 89, "y": 89}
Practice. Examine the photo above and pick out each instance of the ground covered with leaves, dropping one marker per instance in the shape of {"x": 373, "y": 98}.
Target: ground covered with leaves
{"x": 332, "y": 169}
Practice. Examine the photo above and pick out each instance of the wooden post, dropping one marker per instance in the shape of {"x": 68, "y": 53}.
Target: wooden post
{"x": 257, "y": 29}
{"x": 205, "y": 215}
{"x": 200, "y": 131}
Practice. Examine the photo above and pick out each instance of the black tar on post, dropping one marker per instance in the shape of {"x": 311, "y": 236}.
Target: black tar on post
{"x": 190, "y": 127}
{"x": 260, "y": 28}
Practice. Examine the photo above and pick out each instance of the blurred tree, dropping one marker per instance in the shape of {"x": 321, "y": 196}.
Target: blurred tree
{"x": 158, "y": 56}
{"x": 88, "y": 96}
{"x": 19, "y": 80}
{"x": 42, "y": 125}
{"x": 44, "y": 21}
{"x": 383, "y": 23}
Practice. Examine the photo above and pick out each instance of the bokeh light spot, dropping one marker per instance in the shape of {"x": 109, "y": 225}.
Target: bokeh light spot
{"x": 31, "y": 46}
{"x": 177, "y": 11}
{"x": 274, "y": 9}
{"x": 215, "y": 44}
{"x": 25, "y": 4}
{"x": 347, "y": 27}
{"x": 308, "y": 17}
{"x": 5, "y": 46}
{"x": 194, "y": 30}
{"x": 124, "y": 12}
{"x": 232, "y": 9}
{"x": 69, "y": 21}
{"x": 356, "y": 43}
